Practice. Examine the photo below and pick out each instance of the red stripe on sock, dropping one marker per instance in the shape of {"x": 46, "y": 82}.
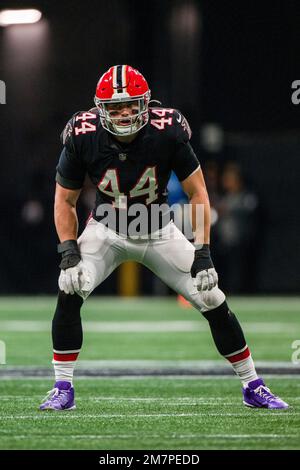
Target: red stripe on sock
{"x": 65, "y": 357}
{"x": 240, "y": 356}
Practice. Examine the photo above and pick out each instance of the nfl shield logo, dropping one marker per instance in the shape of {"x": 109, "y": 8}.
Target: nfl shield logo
{"x": 122, "y": 157}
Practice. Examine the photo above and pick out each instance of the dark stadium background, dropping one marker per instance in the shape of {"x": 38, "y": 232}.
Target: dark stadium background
{"x": 230, "y": 64}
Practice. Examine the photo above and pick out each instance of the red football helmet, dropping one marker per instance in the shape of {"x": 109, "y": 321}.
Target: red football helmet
{"x": 123, "y": 84}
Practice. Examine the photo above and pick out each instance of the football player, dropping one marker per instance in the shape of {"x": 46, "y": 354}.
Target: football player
{"x": 129, "y": 149}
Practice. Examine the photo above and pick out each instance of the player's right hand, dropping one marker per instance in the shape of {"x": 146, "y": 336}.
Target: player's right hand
{"x": 74, "y": 277}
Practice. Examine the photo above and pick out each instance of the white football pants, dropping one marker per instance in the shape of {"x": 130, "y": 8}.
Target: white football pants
{"x": 170, "y": 256}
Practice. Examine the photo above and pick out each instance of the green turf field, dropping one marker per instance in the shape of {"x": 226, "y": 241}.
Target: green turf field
{"x": 199, "y": 412}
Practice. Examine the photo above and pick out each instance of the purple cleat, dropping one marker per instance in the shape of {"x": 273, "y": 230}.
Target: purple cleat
{"x": 60, "y": 398}
{"x": 257, "y": 395}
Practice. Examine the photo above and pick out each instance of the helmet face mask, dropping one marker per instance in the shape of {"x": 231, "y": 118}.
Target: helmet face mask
{"x": 111, "y": 117}
{"x": 122, "y": 87}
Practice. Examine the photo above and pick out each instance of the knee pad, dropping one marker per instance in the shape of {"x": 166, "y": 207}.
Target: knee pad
{"x": 206, "y": 301}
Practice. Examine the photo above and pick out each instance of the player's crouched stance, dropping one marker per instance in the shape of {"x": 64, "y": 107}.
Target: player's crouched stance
{"x": 129, "y": 150}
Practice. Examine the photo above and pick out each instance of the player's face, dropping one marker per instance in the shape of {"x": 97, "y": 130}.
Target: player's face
{"x": 122, "y": 113}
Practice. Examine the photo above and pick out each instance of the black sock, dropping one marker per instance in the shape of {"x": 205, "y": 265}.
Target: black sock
{"x": 66, "y": 323}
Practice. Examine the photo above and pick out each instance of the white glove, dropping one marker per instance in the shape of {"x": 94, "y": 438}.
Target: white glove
{"x": 75, "y": 279}
{"x": 206, "y": 279}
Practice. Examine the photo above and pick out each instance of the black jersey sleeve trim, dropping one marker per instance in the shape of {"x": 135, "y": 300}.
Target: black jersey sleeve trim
{"x": 198, "y": 167}
{"x": 184, "y": 161}
{"x": 66, "y": 183}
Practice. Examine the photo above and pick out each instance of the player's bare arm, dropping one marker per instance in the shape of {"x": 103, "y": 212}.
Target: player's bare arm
{"x": 202, "y": 270}
{"x": 194, "y": 186}
{"x": 65, "y": 215}
{"x": 73, "y": 276}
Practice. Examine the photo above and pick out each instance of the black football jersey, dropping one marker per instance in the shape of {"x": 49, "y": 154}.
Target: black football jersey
{"x": 126, "y": 174}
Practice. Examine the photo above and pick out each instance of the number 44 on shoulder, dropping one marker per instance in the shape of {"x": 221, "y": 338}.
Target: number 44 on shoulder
{"x": 161, "y": 123}
{"x": 85, "y": 126}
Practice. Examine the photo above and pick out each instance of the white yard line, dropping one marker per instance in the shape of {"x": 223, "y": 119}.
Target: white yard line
{"x": 148, "y": 326}
{"x": 259, "y": 303}
{"x": 154, "y": 364}
{"x": 184, "y": 364}
{"x": 70, "y": 415}
{"x": 143, "y": 377}
{"x": 129, "y": 401}
{"x": 152, "y": 436}
{"x": 168, "y": 401}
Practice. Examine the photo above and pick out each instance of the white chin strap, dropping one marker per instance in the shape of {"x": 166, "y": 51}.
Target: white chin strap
{"x": 125, "y": 130}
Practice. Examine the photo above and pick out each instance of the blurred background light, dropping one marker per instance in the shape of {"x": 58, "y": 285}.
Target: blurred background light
{"x": 25, "y": 51}
{"x": 212, "y": 137}
{"x": 10, "y": 17}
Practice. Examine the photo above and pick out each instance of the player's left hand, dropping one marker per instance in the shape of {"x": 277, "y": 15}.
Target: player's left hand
{"x": 203, "y": 272}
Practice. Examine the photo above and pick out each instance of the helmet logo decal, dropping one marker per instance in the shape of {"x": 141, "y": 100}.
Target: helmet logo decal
{"x": 119, "y": 78}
